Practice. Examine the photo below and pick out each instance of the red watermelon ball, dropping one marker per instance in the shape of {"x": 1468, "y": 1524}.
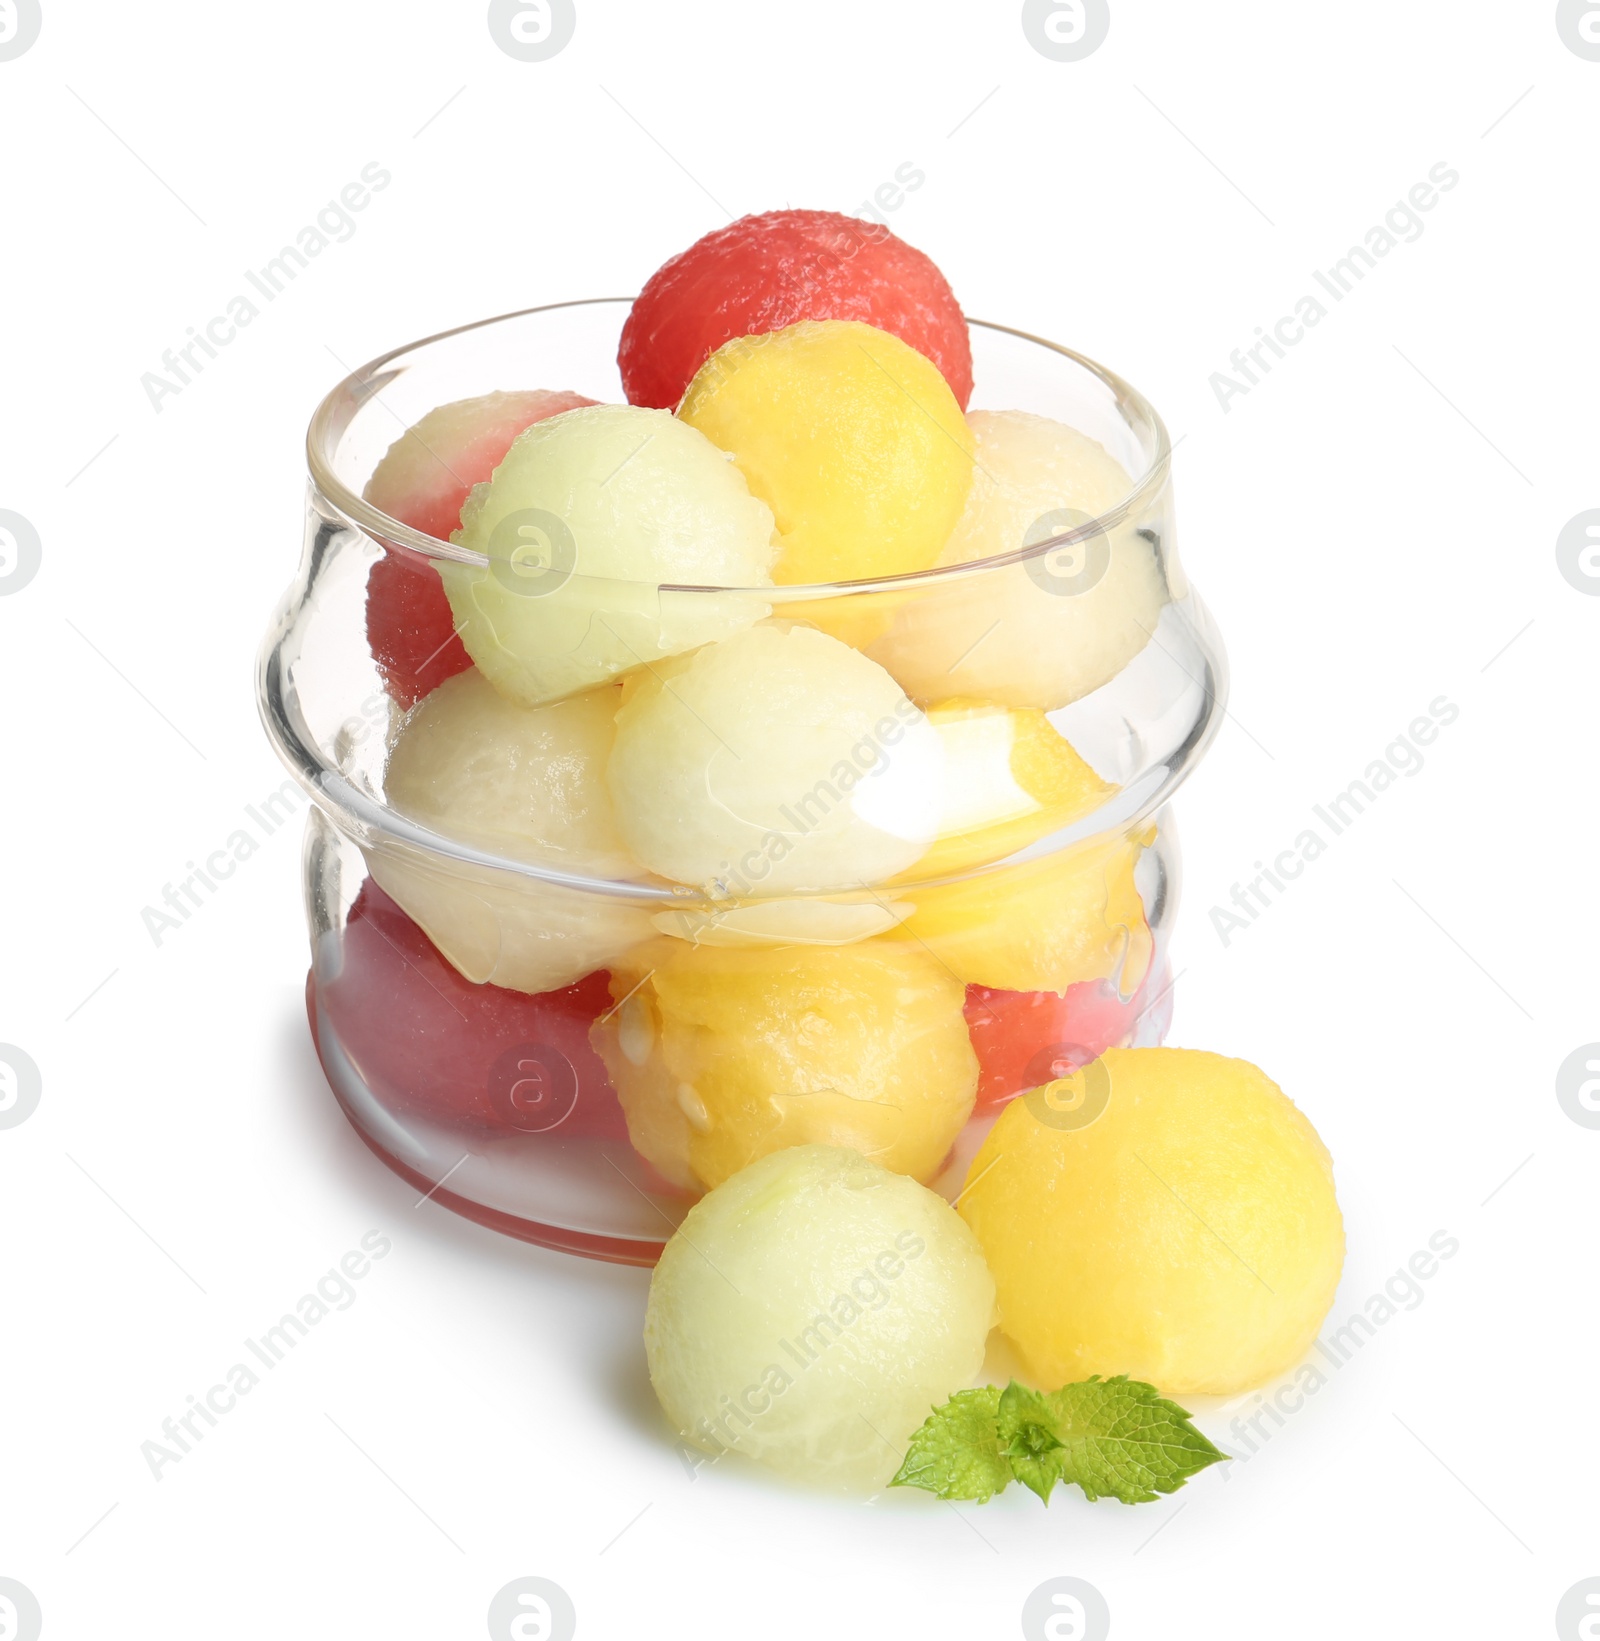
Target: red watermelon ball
{"x": 1024, "y": 1039}
{"x": 765, "y": 272}
{"x": 423, "y": 480}
{"x": 477, "y": 1058}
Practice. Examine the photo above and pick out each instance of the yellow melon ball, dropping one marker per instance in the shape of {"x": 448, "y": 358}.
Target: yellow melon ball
{"x": 527, "y": 783}
{"x": 1010, "y": 778}
{"x": 1044, "y": 924}
{"x": 852, "y": 438}
{"x": 721, "y": 1055}
{"x": 586, "y": 520}
{"x": 812, "y": 1312}
{"x": 777, "y": 759}
{"x": 1051, "y": 629}
{"x": 1162, "y": 1213}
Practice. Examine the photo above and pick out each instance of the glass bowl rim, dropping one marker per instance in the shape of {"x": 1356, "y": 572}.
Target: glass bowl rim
{"x": 369, "y": 819}
{"x": 361, "y": 515}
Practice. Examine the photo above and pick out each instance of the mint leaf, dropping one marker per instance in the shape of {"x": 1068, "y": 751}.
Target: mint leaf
{"x": 956, "y": 1454}
{"x": 1026, "y": 1422}
{"x": 1125, "y": 1439}
{"x": 1114, "y": 1438}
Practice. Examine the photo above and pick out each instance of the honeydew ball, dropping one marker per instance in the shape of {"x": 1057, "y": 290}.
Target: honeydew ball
{"x": 853, "y": 438}
{"x": 585, "y": 520}
{"x": 777, "y": 759}
{"x": 1163, "y": 1213}
{"x": 1051, "y": 629}
{"x": 513, "y": 779}
{"x": 502, "y": 928}
{"x": 811, "y": 1312}
{"x": 723, "y": 1054}
{"x": 1027, "y": 465}
{"x": 526, "y": 783}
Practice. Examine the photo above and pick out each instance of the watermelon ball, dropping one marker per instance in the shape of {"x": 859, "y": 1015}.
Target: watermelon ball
{"x": 765, "y": 272}
{"x": 477, "y": 1058}
{"x": 423, "y": 480}
{"x": 1025, "y": 1039}
{"x": 409, "y": 629}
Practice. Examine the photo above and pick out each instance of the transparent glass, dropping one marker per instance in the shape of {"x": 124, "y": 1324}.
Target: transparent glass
{"x": 572, "y": 1057}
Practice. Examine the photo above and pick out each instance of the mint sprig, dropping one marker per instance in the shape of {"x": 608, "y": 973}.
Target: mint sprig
{"x": 1114, "y": 1438}
{"x": 957, "y": 1452}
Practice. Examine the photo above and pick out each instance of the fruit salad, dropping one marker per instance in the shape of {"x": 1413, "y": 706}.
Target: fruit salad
{"x": 732, "y": 761}
{"x": 752, "y": 857}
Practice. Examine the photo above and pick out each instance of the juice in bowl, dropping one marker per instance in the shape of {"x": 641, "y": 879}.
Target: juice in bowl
{"x": 764, "y": 742}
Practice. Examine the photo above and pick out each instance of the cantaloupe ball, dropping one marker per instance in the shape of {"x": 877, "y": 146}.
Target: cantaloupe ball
{"x": 1047, "y": 631}
{"x": 526, "y": 783}
{"x": 1010, "y": 778}
{"x": 1162, "y": 1213}
{"x": 721, "y": 1055}
{"x": 587, "y": 517}
{"x": 853, "y": 439}
{"x": 1044, "y": 924}
{"x": 811, "y": 1313}
{"x": 776, "y": 759}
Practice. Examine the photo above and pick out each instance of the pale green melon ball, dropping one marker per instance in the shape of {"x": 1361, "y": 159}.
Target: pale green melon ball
{"x": 812, "y": 1311}
{"x": 526, "y": 783}
{"x": 590, "y": 514}
{"x": 1047, "y": 631}
{"x": 777, "y": 759}
{"x": 507, "y": 928}
{"x": 513, "y": 779}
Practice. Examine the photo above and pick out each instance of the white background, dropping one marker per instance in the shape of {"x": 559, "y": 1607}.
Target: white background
{"x": 1372, "y": 526}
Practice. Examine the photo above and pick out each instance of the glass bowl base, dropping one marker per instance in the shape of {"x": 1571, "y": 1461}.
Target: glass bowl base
{"x": 430, "y": 1169}
{"x": 353, "y": 1096}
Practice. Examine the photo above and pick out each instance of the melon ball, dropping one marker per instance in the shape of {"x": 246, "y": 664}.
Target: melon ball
{"x": 1049, "y": 630}
{"x": 521, "y": 782}
{"x": 1010, "y": 778}
{"x": 722, "y": 1054}
{"x": 1162, "y": 1213}
{"x": 811, "y": 1312}
{"x": 763, "y": 273}
{"x": 801, "y": 920}
{"x": 587, "y": 517}
{"x": 508, "y": 929}
{"x": 515, "y": 780}
{"x": 426, "y": 475}
{"x": 854, "y": 439}
{"x": 1043, "y": 924}
{"x": 423, "y": 480}
{"x": 777, "y": 759}
{"x": 434, "y": 1048}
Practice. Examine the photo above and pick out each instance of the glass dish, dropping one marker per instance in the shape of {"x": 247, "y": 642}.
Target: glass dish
{"x": 541, "y": 1058}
